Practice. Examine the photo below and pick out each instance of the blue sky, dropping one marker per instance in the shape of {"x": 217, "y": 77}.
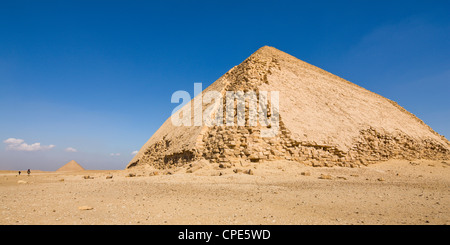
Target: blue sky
{"x": 97, "y": 76}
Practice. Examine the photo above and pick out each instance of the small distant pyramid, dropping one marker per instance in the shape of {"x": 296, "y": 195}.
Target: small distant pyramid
{"x": 71, "y": 166}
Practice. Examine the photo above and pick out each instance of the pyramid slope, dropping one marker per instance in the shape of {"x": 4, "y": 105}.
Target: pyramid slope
{"x": 333, "y": 110}
{"x": 179, "y": 142}
{"x": 71, "y": 166}
{"x": 324, "y": 119}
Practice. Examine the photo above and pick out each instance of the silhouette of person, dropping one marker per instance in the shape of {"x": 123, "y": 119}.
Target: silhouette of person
{"x": 19, "y": 172}
{"x": 28, "y": 171}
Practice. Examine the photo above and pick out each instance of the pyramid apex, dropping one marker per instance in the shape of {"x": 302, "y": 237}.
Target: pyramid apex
{"x": 269, "y": 51}
{"x": 266, "y": 47}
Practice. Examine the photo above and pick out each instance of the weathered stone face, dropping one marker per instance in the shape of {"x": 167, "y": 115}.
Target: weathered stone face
{"x": 339, "y": 130}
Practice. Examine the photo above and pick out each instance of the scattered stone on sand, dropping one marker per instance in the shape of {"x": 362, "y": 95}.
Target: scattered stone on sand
{"x": 85, "y": 208}
{"x": 380, "y": 179}
{"x": 306, "y": 173}
{"x": 130, "y": 175}
{"x": 87, "y": 177}
{"x": 325, "y": 176}
{"x": 153, "y": 173}
{"x": 317, "y": 164}
{"x": 22, "y": 182}
{"x": 217, "y": 173}
{"x": 110, "y": 176}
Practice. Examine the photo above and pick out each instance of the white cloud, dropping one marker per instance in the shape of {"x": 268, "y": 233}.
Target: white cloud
{"x": 114, "y": 154}
{"x": 70, "y": 149}
{"x": 13, "y": 141}
{"x": 134, "y": 153}
{"x": 14, "y": 144}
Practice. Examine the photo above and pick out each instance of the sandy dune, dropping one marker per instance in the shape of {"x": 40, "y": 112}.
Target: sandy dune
{"x": 281, "y": 192}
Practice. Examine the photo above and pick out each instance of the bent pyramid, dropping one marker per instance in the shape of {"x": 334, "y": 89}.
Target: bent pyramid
{"x": 323, "y": 120}
{"x": 71, "y": 166}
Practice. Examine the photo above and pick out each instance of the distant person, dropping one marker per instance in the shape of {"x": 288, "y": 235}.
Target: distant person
{"x": 28, "y": 171}
{"x": 19, "y": 172}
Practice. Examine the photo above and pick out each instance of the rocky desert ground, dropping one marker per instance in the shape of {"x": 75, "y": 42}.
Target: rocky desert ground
{"x": 275, "y": 193}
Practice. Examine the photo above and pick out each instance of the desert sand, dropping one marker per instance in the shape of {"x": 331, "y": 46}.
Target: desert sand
{"x": 275, "y": 193}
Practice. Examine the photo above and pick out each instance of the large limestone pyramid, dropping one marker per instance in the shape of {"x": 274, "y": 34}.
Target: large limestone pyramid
{"x": 323, "y": 119}
{"x": 71, "y": 166}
